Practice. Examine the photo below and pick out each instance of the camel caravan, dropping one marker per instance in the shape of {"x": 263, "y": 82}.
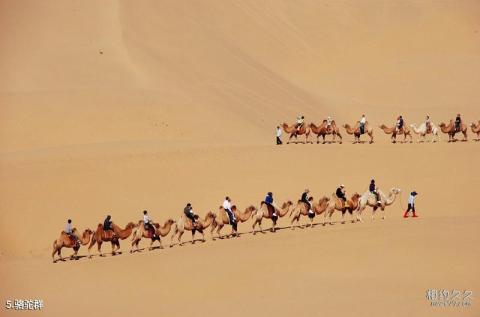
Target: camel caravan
{"x": 227, "y": 215}
{"x": 330, "y": 133}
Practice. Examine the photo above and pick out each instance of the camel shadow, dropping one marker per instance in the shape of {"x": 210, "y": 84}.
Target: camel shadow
{"x": 70, "y": 259}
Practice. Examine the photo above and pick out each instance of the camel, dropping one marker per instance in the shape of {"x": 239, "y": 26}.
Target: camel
{"x": 451, "y": 131}
{"x": 301, "y": 209}
{"x": 423, "y": 131}
{"x": 294, "y": 133}
{"x": 336, "y": 204}
{"x": 393, "y": 131}
{"x": 357, "y": 133}
{"x": 65, "y": 241}
{"x": 222, "y": 219}
{"x": 322, "y": 131}
{"x": 476, "y": 129}
{"x": 369, "y": 199}
{"x": 111, "y": 236}
{"x": 186, "y": 224}
{"x": 267, "y": 211}
{"x": 160, "y": 231}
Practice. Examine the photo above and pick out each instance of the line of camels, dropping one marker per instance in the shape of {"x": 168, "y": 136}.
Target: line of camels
{"x": 355, "y": 205}
{"x": 322, "y": 131}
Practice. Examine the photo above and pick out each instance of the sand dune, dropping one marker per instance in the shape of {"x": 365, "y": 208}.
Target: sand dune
{"x": 114, "y": 107}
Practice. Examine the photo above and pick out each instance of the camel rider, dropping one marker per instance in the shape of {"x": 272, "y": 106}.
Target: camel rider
{"x": 373, "y": 190}
{"x": 69, "y": 231}
{"x": 306, "y": 200}
{"x": 188, "y": 211}
{"x": 329, "y": 122}
{"x": 107, "y": 225}
{"x": 269, "y": 201}
{"x": 428, "y": 124}
{"x": 340, "y": 193}
{"x": 299, "y": 123}
{"x": 399, "y": 124}
{"x": 227, "y": 205}
{"x": 363, "y": 121}
{"x": 458, "y": 122}
{"x": 148, "y": 223}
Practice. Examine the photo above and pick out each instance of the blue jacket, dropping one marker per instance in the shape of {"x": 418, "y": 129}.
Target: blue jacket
{"x": 269, "y": 199}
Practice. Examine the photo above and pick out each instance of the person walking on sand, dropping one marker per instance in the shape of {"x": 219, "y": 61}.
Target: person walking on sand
{"x": 411, "y": 205}
{"x": 279, "y": 135}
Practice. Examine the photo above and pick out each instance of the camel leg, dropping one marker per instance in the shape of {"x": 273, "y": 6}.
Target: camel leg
{"x": 373, "y": 212}
{"x": 92, "y": 242}
{"x": 343, "y": 217}
{"x": 220, "y": 226}
{"x": 99, "y": 246}
{"x": 384, "y": 214}
{"x": 180, "y": 234}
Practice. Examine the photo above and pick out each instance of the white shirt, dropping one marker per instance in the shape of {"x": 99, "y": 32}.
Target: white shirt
{"x": 363, "y": 120}
{"x": 329, "y": 120}
{"x": 411, "y": 199}
{"x": 68, "y": 228}
{"x": 227, "y": 205}
{"x": 279, "y": 132}
{"x": 146, "y": 219}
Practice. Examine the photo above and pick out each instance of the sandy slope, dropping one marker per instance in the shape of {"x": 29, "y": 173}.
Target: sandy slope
{"x": 115, "y": 107}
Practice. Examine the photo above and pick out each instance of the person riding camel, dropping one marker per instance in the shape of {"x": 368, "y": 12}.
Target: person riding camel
{"x": 188, "y": 211}
{"x": 69, "y": 231}
{"x": 299, "y": 123}
{"x": 458, "y": 123}
{"x": 363, "y": 121}
{"x": 306, "y": 199}
{"x": 148, "y": 223}
{"x": 428, "y": 124}
{"x": 374, "y": 190}
{"x": 340, "y": 193}
{"x": 399, "y": 124}
{"x": 329, "y": 123}
{"x": 227, "y": 205}
{"x": 269, "y": 201}
{"x": 107, "y": 226}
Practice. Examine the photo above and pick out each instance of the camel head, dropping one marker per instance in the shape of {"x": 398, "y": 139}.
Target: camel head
{"x": 210, "y": 215}
{"x": 355, "y": 196}
{"x": 131, "y": 225}
{"x": 396, "y": 190}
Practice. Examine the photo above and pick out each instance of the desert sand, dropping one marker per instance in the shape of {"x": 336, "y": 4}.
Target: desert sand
{"x": 113, "y": 107}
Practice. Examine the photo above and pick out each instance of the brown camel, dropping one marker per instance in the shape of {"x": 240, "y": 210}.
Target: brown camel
{"x": 336, "y": 203}
{"x": 292, "y": 130}
{"x": 357, "y": 133}
{"x": 160, "y": 231}
{"x": 322, "y": 131}
{"x": 111, "y": 236}
{"x": 451, "y": 130}
{"x": 267, "y": 211}
{"x": 184, "y": 224}
{"x": 405, "y": 130}
{"x": 66, "y": 241}
{"x": 222, "y": 219}
{"x": 476, "y": 129}
{"x": 301, "y": 209}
